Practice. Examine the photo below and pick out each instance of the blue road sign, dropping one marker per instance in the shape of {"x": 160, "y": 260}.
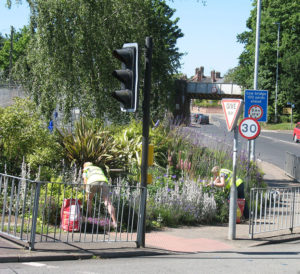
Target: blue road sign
{"x": 256, "y": 104}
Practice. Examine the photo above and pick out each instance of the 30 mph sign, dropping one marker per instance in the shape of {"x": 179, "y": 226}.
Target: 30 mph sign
{"x": 249, "y": 128}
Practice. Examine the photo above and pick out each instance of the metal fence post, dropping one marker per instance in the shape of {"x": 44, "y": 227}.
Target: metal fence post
{"x": 293, "y": 212}
{"x": 34, "y": 215}
{"x": 251, "y": 215}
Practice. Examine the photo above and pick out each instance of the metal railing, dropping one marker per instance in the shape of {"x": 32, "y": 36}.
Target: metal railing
{"x": 292, "y": 166}
{"x": 274, "y": 209}
{"x": 33, "y": 211}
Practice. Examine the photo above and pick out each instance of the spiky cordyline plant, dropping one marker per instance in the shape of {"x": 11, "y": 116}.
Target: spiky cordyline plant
{"x": 90, "y": 142}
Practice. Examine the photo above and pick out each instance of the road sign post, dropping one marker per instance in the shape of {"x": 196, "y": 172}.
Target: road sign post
{"x": 233, "y": 191}
{"x": 249, "y": 128}
{"x": 232, "y": 109}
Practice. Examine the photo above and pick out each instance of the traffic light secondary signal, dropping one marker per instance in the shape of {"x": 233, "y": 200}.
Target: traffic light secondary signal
{"x": 128, "y": 76}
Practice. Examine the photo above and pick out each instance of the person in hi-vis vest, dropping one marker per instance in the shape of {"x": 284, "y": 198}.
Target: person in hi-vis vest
{"x": 94, "y": 181}
{"x": 222, "y": 177}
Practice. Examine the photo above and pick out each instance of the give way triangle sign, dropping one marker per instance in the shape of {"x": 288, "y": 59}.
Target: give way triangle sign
{"x": 232, "y": 109}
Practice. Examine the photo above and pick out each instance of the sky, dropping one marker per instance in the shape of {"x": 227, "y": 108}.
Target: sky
{"x": 210, "y": 31}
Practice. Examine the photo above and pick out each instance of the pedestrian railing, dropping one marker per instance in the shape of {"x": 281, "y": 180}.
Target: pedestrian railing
{"x": 33, "y": 212}
{"x": 274, "y": 209}
{"x": 292, "y": 166}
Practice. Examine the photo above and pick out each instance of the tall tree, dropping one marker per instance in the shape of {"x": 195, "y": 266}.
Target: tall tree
{"x": 69, "y": 58}
{"x": 287, "y": 14}
{"x": 19, "y": 43}
{"x": 291, "y": 80}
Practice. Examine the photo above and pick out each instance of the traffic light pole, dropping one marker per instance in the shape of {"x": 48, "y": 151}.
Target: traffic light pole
{"x": 145, "y": 142}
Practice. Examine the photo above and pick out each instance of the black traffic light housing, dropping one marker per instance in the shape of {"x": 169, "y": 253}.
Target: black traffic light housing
{"x": 128, "y": 76}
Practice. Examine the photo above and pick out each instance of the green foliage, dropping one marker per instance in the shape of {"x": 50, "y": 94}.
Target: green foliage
{"x": 161, "y": 139}
{"x": 25, "y": 134}
{"x": 161, "y": 181}
{"x": 52, "y": 196}
{"x": 290, "y": 80}
{"x": 282, "y": 126}
{"x": 287, "y": 14}
{"x": 188, "y": 156}
{"x": 221, "y": 199}
{"x": 158, "y": 216}
{"x": 206, "y": 103}
{"x": 128, "y": 141}
{"x": 129, "y": 147}
{"x": 69, "y": 58}
{"x": 20, "y": 42}
{"x": 90, "y": 142}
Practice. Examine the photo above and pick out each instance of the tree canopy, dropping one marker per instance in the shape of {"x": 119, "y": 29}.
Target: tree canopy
{"x": 273, "y": 12}
{"x": 20, "y": 42}
{"x": 69, "y": 56}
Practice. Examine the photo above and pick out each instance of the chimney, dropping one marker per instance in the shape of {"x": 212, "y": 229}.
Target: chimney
{"x": 199, "y": 76}
{"x": 213, "y": 76}
{"x": 202, "y": 70}
{"x": 218, "y": 75}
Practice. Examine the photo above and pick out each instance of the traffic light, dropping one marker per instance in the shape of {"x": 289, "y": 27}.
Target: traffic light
{"x": 128, "y": 76}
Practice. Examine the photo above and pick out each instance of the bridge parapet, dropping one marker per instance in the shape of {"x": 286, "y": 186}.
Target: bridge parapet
{"x": 214, "y": 90}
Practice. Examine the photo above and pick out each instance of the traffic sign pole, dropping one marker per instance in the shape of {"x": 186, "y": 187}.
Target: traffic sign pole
{"x": 232, "y": 109}
{"x": 233, "y": 191}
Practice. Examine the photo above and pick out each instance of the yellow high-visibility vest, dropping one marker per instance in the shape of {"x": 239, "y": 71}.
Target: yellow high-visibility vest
{"x": 228, "y": 178}
{"x": 94, "y": 174}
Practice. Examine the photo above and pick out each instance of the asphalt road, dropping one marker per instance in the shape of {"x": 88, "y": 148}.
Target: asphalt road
{"x": 270, "y": 146}
{"x": 280, "y": 258}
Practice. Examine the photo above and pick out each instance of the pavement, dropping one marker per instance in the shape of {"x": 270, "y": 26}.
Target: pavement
{"x": 194, "y": 239}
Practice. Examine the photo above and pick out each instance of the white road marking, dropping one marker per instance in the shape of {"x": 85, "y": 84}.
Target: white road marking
{"x": 278, "y": 140}
{"x": 35, "y": 264}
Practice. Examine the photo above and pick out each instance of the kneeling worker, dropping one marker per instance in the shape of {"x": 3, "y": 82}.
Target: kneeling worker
{"x": 223, "y": 178}
{"x": 95, "y": 180}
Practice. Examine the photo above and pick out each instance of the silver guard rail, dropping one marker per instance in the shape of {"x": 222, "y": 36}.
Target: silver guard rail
{"x": 33, "y": 211}
{"x": 292, "y": 166}
{"x": 274, "y": 209}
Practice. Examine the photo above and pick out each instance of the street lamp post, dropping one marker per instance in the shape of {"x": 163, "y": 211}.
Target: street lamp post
{"x": 276, "y": 85}
{"x": 255, "y": 84}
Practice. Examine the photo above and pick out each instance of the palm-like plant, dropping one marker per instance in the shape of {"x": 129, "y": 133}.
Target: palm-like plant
{"x": 129, "y": 146}
{"x": 90, "y": 142}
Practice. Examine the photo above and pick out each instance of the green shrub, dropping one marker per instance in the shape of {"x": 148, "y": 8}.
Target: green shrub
{"x": 24, "y": 134}
{"x": 90, "y": 142}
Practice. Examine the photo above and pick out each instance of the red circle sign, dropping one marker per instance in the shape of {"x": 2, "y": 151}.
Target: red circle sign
{"x": 249, "y": 128}
{"x": 255, "y": 112}
{"x": 214, "y": 89}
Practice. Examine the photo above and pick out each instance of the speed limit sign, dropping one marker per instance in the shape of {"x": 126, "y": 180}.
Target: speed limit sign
{"x": 249, "y": 128}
